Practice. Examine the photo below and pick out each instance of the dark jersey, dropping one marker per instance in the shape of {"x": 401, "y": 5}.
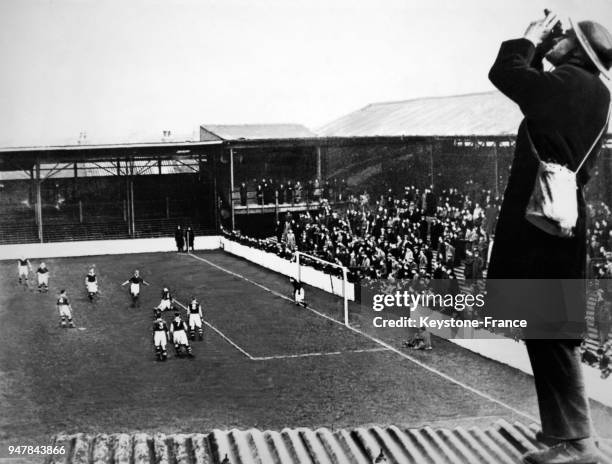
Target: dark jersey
{"x": 135, "y": 280}
{"x": 23, "y": 262}
{"x": 91, "y": 277}
{"x": 62, "y": 300}
{"x": 166, "y": 296}
{"x": 42, "y": 270}
{"x": 160, "y": 326}
{"x": 194, "y": 307}
{"x": 178, "y": 325}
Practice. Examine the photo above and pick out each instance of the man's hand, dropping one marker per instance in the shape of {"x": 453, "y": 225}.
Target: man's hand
{"x": 540, "y": 29}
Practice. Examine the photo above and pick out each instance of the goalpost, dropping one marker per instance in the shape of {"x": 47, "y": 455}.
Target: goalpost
{"x": 322, "y": 284}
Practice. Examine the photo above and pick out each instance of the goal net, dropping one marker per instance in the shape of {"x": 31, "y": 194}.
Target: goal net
{"x": 327, "y": 276}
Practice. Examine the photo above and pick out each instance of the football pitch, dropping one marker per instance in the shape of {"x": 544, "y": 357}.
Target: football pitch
{"x": 263, "y": 362}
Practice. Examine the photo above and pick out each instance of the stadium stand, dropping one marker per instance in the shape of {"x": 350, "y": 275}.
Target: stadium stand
{"x": 95, "y": 208}
{"x": 500, "y": 443}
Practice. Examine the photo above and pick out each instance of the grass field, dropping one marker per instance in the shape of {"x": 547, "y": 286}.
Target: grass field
{"x": 263, "y": 362}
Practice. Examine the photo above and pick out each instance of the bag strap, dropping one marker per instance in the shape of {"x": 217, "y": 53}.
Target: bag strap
{"x": 595, "y": 141}
{"x": 533, "y": 148}
{"x": 535, "y": 151}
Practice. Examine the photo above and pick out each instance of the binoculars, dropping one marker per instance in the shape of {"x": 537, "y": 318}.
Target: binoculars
{"x": 557, "y": 30}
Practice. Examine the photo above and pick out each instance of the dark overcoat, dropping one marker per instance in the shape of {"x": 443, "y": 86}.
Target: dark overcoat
{"x": 565, "y": 110}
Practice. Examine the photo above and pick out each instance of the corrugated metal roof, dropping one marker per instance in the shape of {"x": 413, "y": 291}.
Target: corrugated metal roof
{"x": 253, "y": 132}
{"x": 489, "y": 113}
{"x": 142, "y": 136}
{"x": 104, "y": 169}
{"x": 502, "y": 443}
{"x": 67, "y": 147}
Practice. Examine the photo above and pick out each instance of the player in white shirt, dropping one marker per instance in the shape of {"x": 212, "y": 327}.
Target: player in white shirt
{"x": 135, "y": 281}
{"x": 43, "y": 277}
{"x": 178, "y": 331}
{"x": 194, "y": 309}
{"x": 23, "y": 270}
{"x": 65, "y": 310}
{"x": 91, "y": 284}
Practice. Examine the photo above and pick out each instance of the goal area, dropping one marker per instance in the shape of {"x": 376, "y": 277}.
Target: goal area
{"x": 327, "y": 276}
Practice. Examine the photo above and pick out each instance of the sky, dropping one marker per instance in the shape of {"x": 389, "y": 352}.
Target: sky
{"x": 125, "y": 70}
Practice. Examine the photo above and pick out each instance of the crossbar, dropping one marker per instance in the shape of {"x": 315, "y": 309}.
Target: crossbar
{"x": 344, "y": 279}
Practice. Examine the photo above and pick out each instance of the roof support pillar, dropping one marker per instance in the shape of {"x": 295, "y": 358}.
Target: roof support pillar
{"x": 128, "y": 213}
{"x": 132, "y": 211}
{"x": 431, "y": 163}
{"x": 496, "y": 169}
{"x": 129, "y": 194}
{"x": 318, "y": 151}
{"x": 215, "y": 157}
{"x": 231, "y": 195}
{"x": 31, "y": 193}
{"x": 75, "y": 170}
{"x": 38, "y": 208}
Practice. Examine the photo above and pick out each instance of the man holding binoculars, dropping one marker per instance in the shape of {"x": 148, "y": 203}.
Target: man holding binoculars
{"x": 566, "y": 112}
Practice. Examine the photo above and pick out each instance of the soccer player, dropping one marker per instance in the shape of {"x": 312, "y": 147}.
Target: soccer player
{"x": 91, "y": 283}
{"x": 298, "y": 292}
{"x": 135, "y": 281}
{"x": 23, "y": 269}
{"x": 166, "y": 300}
{"x": 65, "y": 310}
{"x": 178, "y": 330}
{"x": 420, "y": 341}
{"x": 194, "y": 309}
{"x": 160, "y": 337}
{"x": 43, "y": 278}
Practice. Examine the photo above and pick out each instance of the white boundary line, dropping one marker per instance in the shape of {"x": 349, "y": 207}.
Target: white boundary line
{"x": 380, "y": 342}
{"x": 281, "y": 356}
{"x": 226, "y": 338}
{"x": 307, "y": 355}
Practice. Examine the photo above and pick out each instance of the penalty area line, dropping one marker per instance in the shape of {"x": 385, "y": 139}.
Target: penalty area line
{"x": 308, "y": 355}
{"x": 221, "y": 334}
{"x": 379, "y": 342}
{"x": 281, "y": 356}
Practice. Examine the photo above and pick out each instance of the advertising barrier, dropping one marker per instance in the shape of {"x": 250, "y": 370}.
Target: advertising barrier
{"x": 101, "y": 247}
{"x": 308, "y": 275}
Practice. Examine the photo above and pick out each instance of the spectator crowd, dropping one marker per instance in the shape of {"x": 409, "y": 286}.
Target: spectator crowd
{"x": 397, "y": 237}
{"x": 269, "y": 191}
